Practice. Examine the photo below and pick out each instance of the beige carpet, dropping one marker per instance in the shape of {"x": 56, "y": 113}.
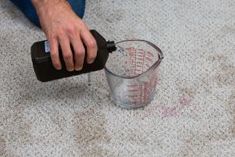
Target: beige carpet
{"x": 193, "y": 110}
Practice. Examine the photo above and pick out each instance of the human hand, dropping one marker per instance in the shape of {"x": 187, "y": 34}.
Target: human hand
{"x": 65, "y": 29}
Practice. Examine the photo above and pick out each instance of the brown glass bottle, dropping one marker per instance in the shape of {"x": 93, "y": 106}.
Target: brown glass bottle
{"x": 45, "y": 71}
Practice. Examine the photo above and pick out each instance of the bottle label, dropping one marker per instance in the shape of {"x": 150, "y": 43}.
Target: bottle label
{"x": 47, "y": 46}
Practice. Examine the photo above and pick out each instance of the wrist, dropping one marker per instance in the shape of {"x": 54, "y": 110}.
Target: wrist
{"x": 43, "y": 4}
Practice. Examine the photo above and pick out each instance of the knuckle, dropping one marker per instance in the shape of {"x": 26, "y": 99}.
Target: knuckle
{"x": 59, "y": 32}
{"x": 81, "y": 25}
{"x": 92, "y": 44}
{"x": 80, "y": 52}
{"x": 67, "y": 56}
{"x": 71, "y": 30}
{"x": 52, "y": 36}
{"x": 53, "y": 55}
{"x": 92, "y": 56}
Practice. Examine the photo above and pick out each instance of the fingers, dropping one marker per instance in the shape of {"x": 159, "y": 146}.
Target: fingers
{"x": 79, "y": 53}
{"x": 73, "y": 60}
{"x": 54, "y": 53}
{"x": 70, "y": 33}
{"x": 67, "y": 53}
{"x": 91, "y": 45}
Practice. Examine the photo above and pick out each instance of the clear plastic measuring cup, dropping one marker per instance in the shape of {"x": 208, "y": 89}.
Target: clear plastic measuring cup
{"x": 132, "y": 73}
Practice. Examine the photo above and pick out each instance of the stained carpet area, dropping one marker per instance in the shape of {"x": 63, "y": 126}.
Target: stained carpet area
{"x": 193, "y": 111}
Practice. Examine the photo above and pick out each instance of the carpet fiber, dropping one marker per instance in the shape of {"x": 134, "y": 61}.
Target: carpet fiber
{"x": 192, "y": 114}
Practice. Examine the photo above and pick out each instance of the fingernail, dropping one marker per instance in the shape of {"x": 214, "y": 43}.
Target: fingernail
{"x": 90, "y": 61}
{"x": 59, "y": 68}
{"x": 70, "y": 70}
{"x": 78, "y": 69}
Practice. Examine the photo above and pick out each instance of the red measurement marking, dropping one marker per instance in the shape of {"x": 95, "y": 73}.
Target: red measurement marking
{"x": 141, "y": 50}
{"x": 139, "y": 63}
{"x": 143, "y": 62}
{"x": 132, "y": 61}
{"x": 140, "y": 93}
{"x": 134, "y": 96}
{"x": 140, "y": 55}
{"x": 150, "y": 54}
{"x": 131, "y": 50}
{"x": 133, "y": 90}
{"x": 135, "y": 101}
{"x": 149, "y": 59}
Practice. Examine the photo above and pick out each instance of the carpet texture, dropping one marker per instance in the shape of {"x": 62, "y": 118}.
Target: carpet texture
{"x": 192, "y": 114}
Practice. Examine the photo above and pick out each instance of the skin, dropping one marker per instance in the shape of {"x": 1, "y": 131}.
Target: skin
{"x": 63, "y": 27}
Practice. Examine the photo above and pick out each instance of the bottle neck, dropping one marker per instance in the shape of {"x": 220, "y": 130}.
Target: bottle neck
{"x": 111, "y": 46}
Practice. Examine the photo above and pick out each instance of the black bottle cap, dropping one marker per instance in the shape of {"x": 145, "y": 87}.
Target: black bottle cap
{"x": 111, "y": 46}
